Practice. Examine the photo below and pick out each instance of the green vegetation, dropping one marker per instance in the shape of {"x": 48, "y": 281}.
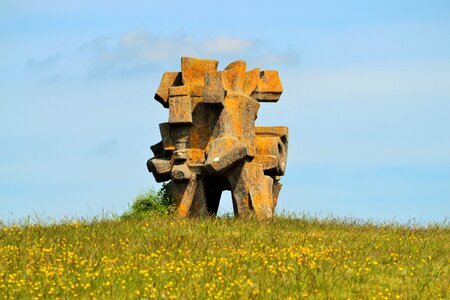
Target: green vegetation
{"x": 151, "y": 203}
{"x": 161, "y": 256}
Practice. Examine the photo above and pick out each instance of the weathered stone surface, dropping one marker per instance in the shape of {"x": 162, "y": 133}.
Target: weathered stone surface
{"x": 161, "y": 168}
{"x": 278, "y": 135}
{"x": 251, "y": 81}
{"x": 269, "y": 87}
{"x": 213, "y": 91}
{"x": 181, "y": 172}
{"x": 233, "y": 77}
{"x": 210, "y": 142}
{"x": 223, "y": 153}
{"x": 168, "y": 80}
{"x": 193, "y": 70}
{"x": 158, "y": 149}
{"x": 180, "y": 109}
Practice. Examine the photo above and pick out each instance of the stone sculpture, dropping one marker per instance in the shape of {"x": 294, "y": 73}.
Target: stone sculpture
{"x": 211, "y": 143}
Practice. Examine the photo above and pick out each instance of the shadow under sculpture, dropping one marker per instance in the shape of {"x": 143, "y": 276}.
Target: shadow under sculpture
{"x": 211, "y": 143}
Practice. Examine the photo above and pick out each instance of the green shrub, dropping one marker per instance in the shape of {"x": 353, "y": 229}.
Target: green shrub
{"x": 151, "y": 202}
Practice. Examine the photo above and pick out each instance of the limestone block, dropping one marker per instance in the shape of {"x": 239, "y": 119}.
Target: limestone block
{"x": 181, "y": 172}
{"x": 281, "y": 131}
{"x": 168, "y": 80}
{"x": 180, "y": 110}
{"x": 251, "y": 81}
{"x": 213, "y": 91}
{"x": 233, "y": 77}
{"x": 269, "y": 87}
{"x": 181, "y": 135}
{"x": 193, "y": 70}
{"x": 182, "y": 90}
{"x": 251, "y": 191}
{"x": 268, "y": 162}
{"x": 158, "y": 149}
{"x": 193, "y": 157}
{"x": 180, "y": 155}
{"x": 238, "y": 118}
{"x": 272, "y": 141}
{"x": 161, "y": 168}
{"x": 267, "y": 153}
{"x": 189, "y": 197}
{"x": 223, "y": 153}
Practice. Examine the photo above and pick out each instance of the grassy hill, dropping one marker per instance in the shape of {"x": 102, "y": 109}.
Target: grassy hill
{"x": 224, "y": 258}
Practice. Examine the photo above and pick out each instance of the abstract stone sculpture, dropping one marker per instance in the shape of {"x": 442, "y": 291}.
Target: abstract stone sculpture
{"x": 211, "y": 144}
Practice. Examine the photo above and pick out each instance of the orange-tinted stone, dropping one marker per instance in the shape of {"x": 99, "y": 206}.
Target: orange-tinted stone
{"x": 211, "y": 143}
{"x": 180, "y": 110}
{"x": 193, "y": 70}
{"x": 251, "y": 81}
{"x": 269, "y": 87}
{"x": 168, "y": 80}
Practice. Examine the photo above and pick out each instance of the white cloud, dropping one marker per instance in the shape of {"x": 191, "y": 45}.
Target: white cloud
{"x": 39, "y": 64}
{"x": 136, "y": 52}
{"x": 227, "y": 45}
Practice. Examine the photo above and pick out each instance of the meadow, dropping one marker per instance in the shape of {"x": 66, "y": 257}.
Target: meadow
{"x": 164, "y": 257}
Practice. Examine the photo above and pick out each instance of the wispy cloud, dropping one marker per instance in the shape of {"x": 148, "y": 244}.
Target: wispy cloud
{"x": 39, "y": 64}
{"x": 227, "y": 45}
{"x": 137, "y": 52}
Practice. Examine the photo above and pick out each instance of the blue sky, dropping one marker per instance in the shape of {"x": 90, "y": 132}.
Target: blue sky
{"x": 366, "y": 98}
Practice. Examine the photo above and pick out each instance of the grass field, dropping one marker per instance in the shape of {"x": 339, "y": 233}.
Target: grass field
{"x": 166, "y": 257}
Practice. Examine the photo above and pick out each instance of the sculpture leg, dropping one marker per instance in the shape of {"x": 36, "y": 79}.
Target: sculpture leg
{"x": 275, "y": 192}
{"x": 198, "y": 207}
{"x": 189, "y": 197}
{"x": 251, "y": 191}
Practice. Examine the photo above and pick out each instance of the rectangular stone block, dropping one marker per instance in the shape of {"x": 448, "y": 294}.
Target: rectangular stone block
{"x": 193, "y": 70}
{"x": 180, "y": 110}
{"x": 158, "y": 149}
{"x": 269, "y": 163}
{"x": 223, "y": 153}
{"x": 280, "y": 131}
{"x": 269, "y": 87}
{"x": 233, "y": 76}
{"x": 267, "y": 153}
{"x": 251, "y": 81}
{"x": 271, "y": 141}
{"x": 193, "y": 157}
{"x": 182, "y": 90}
{"x": 160, "y": 168}
{"x": 168, "y": 80}
{"x": 213, "y": 91}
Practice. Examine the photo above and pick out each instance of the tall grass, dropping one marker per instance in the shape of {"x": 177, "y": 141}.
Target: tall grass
{"x": 161, "y": 256}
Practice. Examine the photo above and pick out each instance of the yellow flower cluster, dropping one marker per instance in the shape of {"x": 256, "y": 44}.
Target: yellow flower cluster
{"x": 179, "y": 259}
